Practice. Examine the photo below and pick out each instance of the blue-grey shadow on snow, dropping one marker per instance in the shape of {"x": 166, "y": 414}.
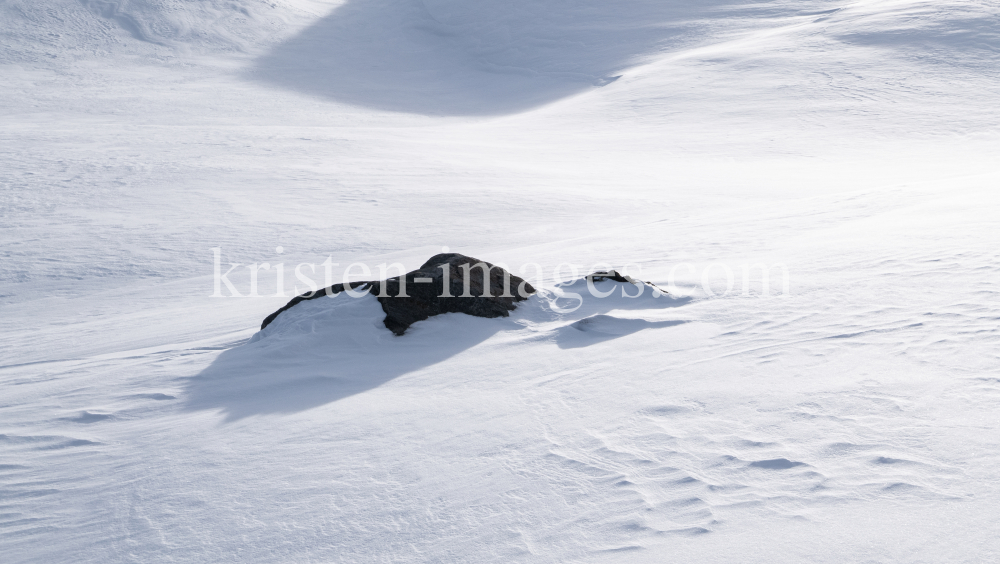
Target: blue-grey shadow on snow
{"x": 473, "y": 57}
{"x": 322, "y": 351}
{"x": 325, "y": 350}
{"x": 241, "y": 388}
{"x": 599, "y": 328}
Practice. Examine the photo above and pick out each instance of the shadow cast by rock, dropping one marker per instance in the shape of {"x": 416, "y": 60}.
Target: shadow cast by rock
{"x": 326, "y": 349}
{"x": 600, "y": 328}
{"x": 329, "y": 350}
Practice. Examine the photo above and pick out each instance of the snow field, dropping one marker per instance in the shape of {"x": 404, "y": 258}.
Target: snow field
{"x": 852, "y": 420}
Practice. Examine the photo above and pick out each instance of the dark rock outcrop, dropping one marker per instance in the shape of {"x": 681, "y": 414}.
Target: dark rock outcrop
{"x": 450, "y": 283}
{"x": 619, "y": 277}
{"x": 610, "y": 275}
{"x": 447, "y": 283}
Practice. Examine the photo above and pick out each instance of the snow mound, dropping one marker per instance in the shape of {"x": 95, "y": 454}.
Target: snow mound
{"x": 325, "y": 349}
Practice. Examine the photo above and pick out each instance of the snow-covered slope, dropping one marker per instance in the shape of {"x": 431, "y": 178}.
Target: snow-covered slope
{"x": 851, "y": 418}
{"x": 461, "y": 57}
{"x": 112, "y": 29}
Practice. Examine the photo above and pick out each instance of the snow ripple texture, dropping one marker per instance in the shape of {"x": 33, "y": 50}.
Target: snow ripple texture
{"x": 851, "y": 418}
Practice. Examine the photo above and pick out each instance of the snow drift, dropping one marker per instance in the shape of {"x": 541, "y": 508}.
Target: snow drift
{"x": 851, "y": 418}
{"x": 326, "y": 349}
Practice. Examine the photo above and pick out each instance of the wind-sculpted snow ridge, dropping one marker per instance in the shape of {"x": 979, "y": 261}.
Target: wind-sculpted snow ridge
{"x": 473, "y": 57}
{"x": 480, "y": 57}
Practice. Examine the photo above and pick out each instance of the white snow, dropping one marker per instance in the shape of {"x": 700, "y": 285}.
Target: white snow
{"x": 851, "y": 419}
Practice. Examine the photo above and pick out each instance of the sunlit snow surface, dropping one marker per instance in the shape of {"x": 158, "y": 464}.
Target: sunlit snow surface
{"x": 853, "y": 420}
